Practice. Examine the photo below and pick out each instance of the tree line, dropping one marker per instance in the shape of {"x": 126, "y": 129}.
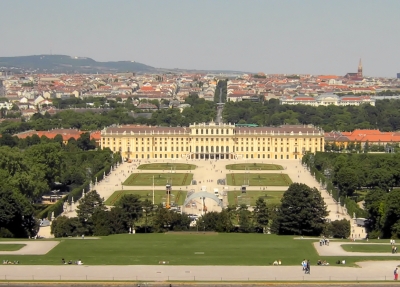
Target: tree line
{"x": 372, "y": 179}
{"x": 301, "y": 212}
{"x": 33, "y": 167}
{"x": 385, "y": 115}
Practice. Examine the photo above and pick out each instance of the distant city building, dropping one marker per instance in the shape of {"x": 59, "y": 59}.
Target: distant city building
{"x": 327, "y": 99}
{"x": 398, "y": 75}
{"x": 213, "y": 141}
{"x": 356, "y": 76}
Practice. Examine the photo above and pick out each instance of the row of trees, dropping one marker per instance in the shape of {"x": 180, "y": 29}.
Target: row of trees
{"x": 372, "y": 178}
{"x": 130, "y": 212}
{"x": 302, "y": 212}
{"x": 385, "y": 115}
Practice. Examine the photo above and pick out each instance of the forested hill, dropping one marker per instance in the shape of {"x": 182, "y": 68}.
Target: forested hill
{"x": 68, "y": 64}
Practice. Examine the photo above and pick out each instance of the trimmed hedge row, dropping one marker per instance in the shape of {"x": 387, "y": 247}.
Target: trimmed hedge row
{"x": 351, "y": 206}
{"x": 76, "y": 193}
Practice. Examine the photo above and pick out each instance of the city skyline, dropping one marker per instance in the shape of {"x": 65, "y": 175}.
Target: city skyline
{"x": 285, "y": 37}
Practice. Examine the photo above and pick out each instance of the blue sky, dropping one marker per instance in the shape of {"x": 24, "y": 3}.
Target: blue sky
{"x": 304, "y": 36}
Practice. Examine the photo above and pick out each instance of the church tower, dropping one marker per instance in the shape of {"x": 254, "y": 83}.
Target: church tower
{"x": 359, "y": 71}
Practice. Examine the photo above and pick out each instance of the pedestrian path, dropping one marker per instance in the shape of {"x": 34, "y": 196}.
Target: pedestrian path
{"x": 335, "y": 249}
{"x": 369, "y": 271}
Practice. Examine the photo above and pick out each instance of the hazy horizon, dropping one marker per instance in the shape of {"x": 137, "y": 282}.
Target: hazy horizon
{"x": 274, "y": 37}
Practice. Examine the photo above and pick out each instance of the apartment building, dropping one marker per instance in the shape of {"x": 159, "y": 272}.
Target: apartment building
{"x": 213, "y": 141}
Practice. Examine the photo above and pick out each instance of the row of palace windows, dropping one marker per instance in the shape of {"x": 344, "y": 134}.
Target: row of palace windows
{"x": 211, "y": 149}
{"x": 268, "y": 156}
{"x": 241, "y": 139}
{"x": 211, "y": 131}
{"x": 177, "y": 156}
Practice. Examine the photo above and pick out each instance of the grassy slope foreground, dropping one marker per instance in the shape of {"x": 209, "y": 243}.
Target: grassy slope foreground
{"x": 181, "y": 249}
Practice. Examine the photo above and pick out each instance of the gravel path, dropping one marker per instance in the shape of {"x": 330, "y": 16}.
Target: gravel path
{"x": 335, "y": 249}
{"x": 369, "y": 271}
{"x": 32, "y": 247}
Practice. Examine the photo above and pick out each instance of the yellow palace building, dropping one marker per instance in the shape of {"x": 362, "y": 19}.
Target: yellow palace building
{"x": 213, "y": 141}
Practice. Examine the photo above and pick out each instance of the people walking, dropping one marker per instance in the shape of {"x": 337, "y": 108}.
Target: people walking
{"x": 396, "y": 274}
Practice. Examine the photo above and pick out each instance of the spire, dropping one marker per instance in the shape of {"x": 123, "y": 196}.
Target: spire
{"x": 360, "y": 70}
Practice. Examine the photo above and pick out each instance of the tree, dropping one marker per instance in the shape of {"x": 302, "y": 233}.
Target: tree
{"x": 132, "y": 206}
{"x": 88, "y": 205}
{"x": 302, "y": 211}
{"x": 245, "y": 221}
{"x": 261, "y": 213}
{"x": 84, "y": 142}
{"x": 391, "y": 220}
{"x": 347, "y": 180}
{"x": 374, "y": 204}
{"x": 64, "y": 226}
{"x": 16, "y": 215}
{"x": 338, "y": 229}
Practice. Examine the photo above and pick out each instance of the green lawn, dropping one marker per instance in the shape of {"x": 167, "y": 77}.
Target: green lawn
{"x": 250, "y": 197}
{"x": 258, "y": 179}
{"x": 253, "y": 166}
{"x": 159, "y": 196}
{"x": 180, "y": 249}
{"x": 373, "y": 248}
{"x": 167, "y": 166}
{"x": 11, "y": 247}
{"x": 146, "y": 179}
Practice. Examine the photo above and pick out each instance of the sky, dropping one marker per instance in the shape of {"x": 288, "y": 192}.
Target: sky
{"x": 274, "y": 37}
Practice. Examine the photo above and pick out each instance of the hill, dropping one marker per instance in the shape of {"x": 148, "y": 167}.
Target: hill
{"x": 68, "y": 64}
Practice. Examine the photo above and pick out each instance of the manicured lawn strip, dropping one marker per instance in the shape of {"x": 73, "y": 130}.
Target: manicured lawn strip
{"x": 373, "y": 248}
{"x": 250, "y": 197}
{"x": 258, "y": 179}
{"x": 179, "y": 249}
{"x": 253, "y": 166}
{"x": 159, "y": 196}
{"x": 146, "y": 179}
{"x": 167, "y": 166}
{"x": 11, "y": 247}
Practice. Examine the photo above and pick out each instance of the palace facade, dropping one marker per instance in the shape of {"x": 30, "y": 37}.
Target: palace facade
{"x": 213, "y": 141}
